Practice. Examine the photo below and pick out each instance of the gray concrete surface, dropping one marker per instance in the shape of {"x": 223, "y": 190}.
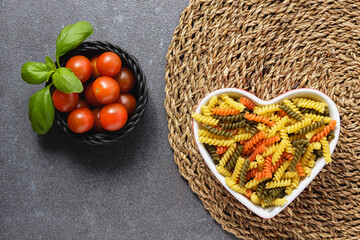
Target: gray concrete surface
{"x": 53, "y": 187}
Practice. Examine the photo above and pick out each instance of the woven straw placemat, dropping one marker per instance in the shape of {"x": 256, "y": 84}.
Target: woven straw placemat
{"x": 269, "y": 47}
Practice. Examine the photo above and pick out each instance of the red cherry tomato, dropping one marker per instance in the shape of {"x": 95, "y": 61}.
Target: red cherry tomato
{"x": 81, "y": 120}
{"x": 113, "y": 116}
{"x": 105, "y": 89}
{"x": 95, "y": 73}
{"x": 125, "y": 79}
{"x": 97, "y": 127}
{"x": 89, "y": 95}
{"x": 81, "y": 67}
{"x": 82, "y": 104}
{"x": 65, "y": 102}
{"x": 108, "y": 64}
{"x": 128, "y": 101}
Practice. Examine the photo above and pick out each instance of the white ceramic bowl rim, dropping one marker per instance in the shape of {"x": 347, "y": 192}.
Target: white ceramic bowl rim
{"x": 320, "y": 163}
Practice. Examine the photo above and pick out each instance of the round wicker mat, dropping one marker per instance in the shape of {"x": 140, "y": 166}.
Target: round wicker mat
{"x": 268, "y": 47}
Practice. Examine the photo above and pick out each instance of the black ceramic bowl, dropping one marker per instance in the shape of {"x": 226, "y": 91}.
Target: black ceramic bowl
{"x": 90, "y": 49}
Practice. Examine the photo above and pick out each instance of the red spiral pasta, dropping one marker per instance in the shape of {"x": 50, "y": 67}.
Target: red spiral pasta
{"x": 262, "y": 175}
{"x": 224, "y": 111}
{"x": 257, "y": 151}
{"x": 281, "y": 113}
{"x": 248, "y": 193}
{"x": 267, "y": 167}
{"x": 254, "y": 140}
{"x": 258, "y": 118}
{"x": 300, "y": 169}
{"x": 324, "y": 132}
{"x": 251, "y": 173}
{"x": 247, "y": 103}
{"x": 271, "y": 141}
{"x": 221, "y": 150}
{"x": 242, "y": 142}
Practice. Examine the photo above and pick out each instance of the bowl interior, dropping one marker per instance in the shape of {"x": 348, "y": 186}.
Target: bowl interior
{"x": 320, "y": 163}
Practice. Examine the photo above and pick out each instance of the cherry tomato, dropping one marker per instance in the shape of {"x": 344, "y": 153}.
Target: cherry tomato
{"x": 82, "y": 104}
{"x": 108, "y": 64}
{"x": 105, "y": 89}
{"x": 113, "y": 116}
{"x": 65, "y": 102}
{"x": 125, "y": 79}
{"x": 128, "y": 101}
{"x": 81, "y": 120}
{"x": 89, "y": 95}
{"x": 97, "y": 127}
{"x": 81, "y": 67}
{"x": 95, "y": 73}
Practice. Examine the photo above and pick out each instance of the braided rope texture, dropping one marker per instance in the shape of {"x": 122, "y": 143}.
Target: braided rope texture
{"x": 269, "y": 47}
{"x": 90, "y": 49}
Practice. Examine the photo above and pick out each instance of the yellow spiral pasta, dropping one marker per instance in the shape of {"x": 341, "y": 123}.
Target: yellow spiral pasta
{"x": 223, "y": 171}
{"x": 239, "y": 164}
{"x": 285, "y": 136}
{"x": 262, "y": 127}
{"x": 281, "y": 183}
{"x": 260, "y": 161}
{"x": 279, "y": 150}
{"x": 234, "y": 186}
{"x": 275, "y": 118}
{"x": 205, "y": 119}
{"x": 253, "y": 165}
{"x": 226, "y": 156}
{"x": 216, "y": 142}
{"x": 242, "y": 136}
{"x": 253, "y": 183}
{"x": 290, "y": 175}
{"x": 205, "y": 133}
{"x": 307, "y": 170}
{"x": 255, "y": 199}
{"x": 279, "y": 202}
{"x": 280, "y": 171}
{"x": 212, "y": 102}
{"x": 326, "y": 149}
{"x": 317, "y": 118}
{"x": 280, "y": 124}
{"x": 307, "y": 103}
{"x": 224, "y": 105}
{"x": 232, "y": 103}
{"x": 206, "y": 111}
{"x": 296, "y": 127}
{"x": 266, "y": 109}
{"x": 270, "y": 150}
{"x": 295, "y": 181}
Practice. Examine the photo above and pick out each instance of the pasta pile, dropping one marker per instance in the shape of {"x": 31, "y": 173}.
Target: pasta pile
{"x": 264, "y": 152}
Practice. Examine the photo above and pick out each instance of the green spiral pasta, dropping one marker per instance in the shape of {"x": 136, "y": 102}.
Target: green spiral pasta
{"x": 244, "y": 171}
{"x": 311, "y": 127}
{"x": 236, "y": 173}
{"x": 217, "y": 132}
{"x": 233, "y": 125}
{"x": 253, "y": 129}
{"x": 233, "y": 159}
{"x": 279, "y": 193}
{"x": 212, "y": 151}
{"x": 290, "y": 112}
{"x": 296, "y": 158}
{"x": 230, "y": 118}
{"x": 331, "y": 136}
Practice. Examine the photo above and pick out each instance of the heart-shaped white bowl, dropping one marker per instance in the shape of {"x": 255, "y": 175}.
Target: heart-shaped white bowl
{"x": 320, "y": 163}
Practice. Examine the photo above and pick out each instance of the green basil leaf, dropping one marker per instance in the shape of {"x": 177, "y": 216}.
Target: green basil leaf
{"x": 65, "y": 81}
{"x": 35, "y": 73}
{"x": 50, "y": 63}
{"x": 41, "y": 111}
{"x": 71, "y": 36}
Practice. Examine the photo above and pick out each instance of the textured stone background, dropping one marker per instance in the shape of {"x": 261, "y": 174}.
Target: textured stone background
{"x": 53, "y": 187}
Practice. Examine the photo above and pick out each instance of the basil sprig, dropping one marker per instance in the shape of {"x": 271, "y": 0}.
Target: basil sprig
{"x": 41, "y": 107}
